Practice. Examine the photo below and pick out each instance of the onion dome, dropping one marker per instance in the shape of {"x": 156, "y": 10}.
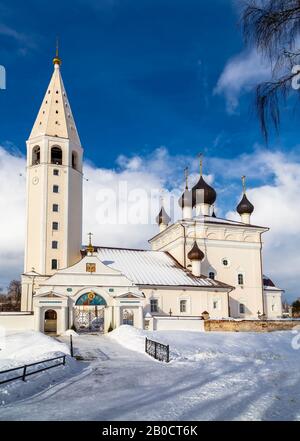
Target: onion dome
{"x": 245, "y": 206}
{"x": 204, "y": 193}
{"x": 163, "y": 217}
{"x": 195, "y": 253}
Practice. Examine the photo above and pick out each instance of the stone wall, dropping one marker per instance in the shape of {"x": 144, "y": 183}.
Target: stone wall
{"x": 250, "y": 325}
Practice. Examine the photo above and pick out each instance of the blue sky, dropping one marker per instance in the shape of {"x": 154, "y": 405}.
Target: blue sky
{"x": 139, "y": 74}
{"x": 151, "y": 73}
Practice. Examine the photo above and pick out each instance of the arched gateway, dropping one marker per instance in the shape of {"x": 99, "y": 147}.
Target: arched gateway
{"x": 89, "y": 313}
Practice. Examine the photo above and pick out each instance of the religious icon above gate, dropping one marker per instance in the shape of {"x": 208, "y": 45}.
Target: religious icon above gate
{"x": 90, "y": 267}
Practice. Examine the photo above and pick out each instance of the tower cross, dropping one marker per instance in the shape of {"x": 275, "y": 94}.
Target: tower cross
{"x": 244, "y": 184}
{"x": 200, "y": 156}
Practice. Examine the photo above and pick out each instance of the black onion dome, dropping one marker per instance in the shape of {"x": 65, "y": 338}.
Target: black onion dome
{"x": 185, "y": 199}
{"x": 195, "y": 253}
{"x": 202, "y": 192}
{"x": 163, "y": 217}
{"x": 245, "y": 206}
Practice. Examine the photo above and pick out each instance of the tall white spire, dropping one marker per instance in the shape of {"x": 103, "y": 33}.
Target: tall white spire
{"x": 55, "y": 116}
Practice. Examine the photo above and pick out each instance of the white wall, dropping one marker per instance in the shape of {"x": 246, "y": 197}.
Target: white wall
{"x": 178, "y": 324}
{"x": 273, "y": 304}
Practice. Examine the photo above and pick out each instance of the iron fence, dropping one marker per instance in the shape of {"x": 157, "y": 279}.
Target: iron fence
{"x": 23, "y": 370}
{"x": 157, "y": 350}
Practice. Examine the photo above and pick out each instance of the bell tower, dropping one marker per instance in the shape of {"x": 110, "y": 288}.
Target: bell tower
{"x": 54, "y": 184}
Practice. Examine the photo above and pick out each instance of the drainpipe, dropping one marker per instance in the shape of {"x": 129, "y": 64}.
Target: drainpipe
{"x": 184, "y": 245}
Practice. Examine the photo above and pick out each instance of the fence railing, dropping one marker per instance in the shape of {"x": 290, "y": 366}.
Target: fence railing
{"x": 157, "y": 350}
{"x": 24, "y": 369}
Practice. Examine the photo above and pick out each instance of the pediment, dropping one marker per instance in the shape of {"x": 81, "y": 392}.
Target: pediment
{"x": 50, "y": 294}
{"x": 130, "y": 295}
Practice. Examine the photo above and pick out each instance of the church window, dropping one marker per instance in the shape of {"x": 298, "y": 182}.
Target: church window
{"x": 54, "y": 244}
{"x": 55, "y": 188}
{"x": 36, "y": 155}
{"x": 56, "y": 101}
{"x": 241, "y": 279}
{"x": 242, "y": 308}
{"x": 56, "y": 155}
{"x": 154, "y": 305}
{"x": 55, "y": 226}
{"x": 211, "y": 275}
{"x": 55, "y": 208}
{"x": 55, "y": 172}
{"x": 56, "y": 111}
{"x": 74, "y": 160}
{"x": 183, "y": 305}
{"x": 54, "y": 264}
{"x": 57, "y": 91}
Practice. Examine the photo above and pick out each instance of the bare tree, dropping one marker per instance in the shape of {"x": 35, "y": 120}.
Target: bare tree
{"x": 14, "y": 291}
{"x": 273, "y": 26}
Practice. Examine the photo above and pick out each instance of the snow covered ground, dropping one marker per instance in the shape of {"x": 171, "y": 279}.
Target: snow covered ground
{"x": 18, "y": 348}
{"x": 212, "y": 376}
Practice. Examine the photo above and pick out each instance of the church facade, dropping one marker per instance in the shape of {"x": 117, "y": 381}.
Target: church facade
{"x": 200, "y": 266}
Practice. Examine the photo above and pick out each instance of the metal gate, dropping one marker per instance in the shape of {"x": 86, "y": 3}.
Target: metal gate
{"x": 89, "y": 319}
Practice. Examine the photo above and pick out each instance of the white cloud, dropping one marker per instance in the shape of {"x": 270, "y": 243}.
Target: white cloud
{"x": 277, "y": 206}
{"x": 241, "y": 74}
{"x": 276, "y": 199}
{"x": 22, "y": 39}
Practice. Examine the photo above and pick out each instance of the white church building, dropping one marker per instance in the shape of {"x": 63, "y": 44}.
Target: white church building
{"x": 199, "y": 266}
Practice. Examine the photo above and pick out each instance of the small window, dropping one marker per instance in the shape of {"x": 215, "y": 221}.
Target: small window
{"x": 55, "y": 226}
{"x": 211, "y": 275}
{"x": 55, "y": 188}
{"x": 55, "y": 208}
{"x": 55, "y": 172}
{"x": 54, "y": 244}
{"x": 54, "y": 264}
{"x": 225, "y": 262}
{"x": 215, "y": 304}
{"x": 154, "y": 305}
{"x": 241, "y": 279}
{"x": 183, "y": 304}
{"x": 242, "y": 308}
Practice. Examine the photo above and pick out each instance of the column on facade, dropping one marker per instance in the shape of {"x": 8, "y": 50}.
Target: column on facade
{"x": 117, "y": 314}
{"x": 141, "y": 317}
{"x": 64, "y": 318}
{"x": 37, "y": 319}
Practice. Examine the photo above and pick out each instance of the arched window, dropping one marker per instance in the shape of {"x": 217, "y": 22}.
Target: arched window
{"x": 241, "y": 279}
{"x": 36, "y": 155}
{"x": 183, "y": 306}
{"x": 56, "y": 155}
{"x": 91, "y": 298}
{"x": 74, "y": 160}
{"x": 211, "y": 275}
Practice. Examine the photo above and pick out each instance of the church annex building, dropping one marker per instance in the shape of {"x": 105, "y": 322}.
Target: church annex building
{"x": 198, "y": 266}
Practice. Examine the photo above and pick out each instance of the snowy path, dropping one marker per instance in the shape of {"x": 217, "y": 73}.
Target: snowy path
{"x": 119, "y": 384}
